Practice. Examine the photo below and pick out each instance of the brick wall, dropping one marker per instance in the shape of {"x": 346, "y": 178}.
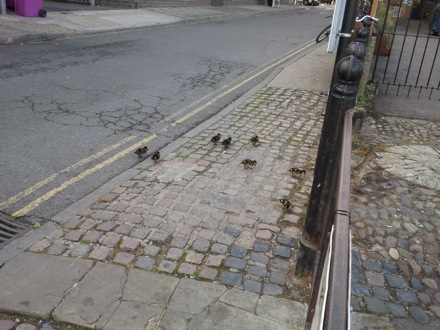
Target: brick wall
{"x": 175, "y": 3}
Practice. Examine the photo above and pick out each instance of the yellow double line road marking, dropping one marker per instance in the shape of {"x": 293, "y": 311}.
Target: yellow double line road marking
{"x": 34, "y": 204}
{"x": 14, "y": 199}
{"x": 25, "y": 210}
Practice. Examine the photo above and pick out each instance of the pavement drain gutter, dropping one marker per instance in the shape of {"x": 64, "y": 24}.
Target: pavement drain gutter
{"x": 10, "y": 230}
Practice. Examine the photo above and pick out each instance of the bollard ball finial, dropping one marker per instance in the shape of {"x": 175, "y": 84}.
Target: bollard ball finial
{"x": 349, "y": 69}
{"x": 357, "y": 49}
{"x": 363, "y": 34}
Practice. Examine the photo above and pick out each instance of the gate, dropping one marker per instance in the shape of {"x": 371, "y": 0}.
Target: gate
{"x": 407, "y": 53}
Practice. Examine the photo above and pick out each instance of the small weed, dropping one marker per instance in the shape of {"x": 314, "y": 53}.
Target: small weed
{"x": 367, "y": 99}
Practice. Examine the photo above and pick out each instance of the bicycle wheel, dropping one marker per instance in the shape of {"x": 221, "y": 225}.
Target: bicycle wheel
{"x": 324, "y": 34}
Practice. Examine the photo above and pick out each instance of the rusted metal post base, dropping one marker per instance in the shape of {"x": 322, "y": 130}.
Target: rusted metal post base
{"x": 306, "y": 257}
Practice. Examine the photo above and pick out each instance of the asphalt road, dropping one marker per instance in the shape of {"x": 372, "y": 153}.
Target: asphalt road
{"x": 73, "y": 110}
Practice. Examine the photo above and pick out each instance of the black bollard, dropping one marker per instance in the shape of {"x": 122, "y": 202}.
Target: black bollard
{"x": 320, "y": 208}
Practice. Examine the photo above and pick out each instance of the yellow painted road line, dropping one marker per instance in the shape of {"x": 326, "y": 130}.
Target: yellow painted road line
{"x": 215, "y": 99}
{"x": 14, "y": 199}
{"x": 281, "y": 59}
{"x": 25, "y": 210}
{"x": 29, "y": 207}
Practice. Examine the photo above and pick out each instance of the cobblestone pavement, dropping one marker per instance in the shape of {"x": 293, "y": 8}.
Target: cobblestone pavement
{"x": 200, "y": 213}
{"x": 396, "y": 222}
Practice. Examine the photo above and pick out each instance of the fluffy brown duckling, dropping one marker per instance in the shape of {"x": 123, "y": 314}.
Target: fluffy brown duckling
{"x": 216, "y": 138}
{"x": 141, "y": 151}
{"x": 286, "y": 204}
{"x": 155, "y": 156}
{"x": 249, "y": 163}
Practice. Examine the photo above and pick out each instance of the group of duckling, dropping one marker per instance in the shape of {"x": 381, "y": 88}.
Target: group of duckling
{"x": 141, "y": 152}
{"x": 226, "y": 142}
{"x": 249, "y": 163}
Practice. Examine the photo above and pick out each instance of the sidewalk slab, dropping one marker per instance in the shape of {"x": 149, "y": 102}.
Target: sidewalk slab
{"x": 35, "y": 284}
{"x": 196, "y": 305}
{"x": 313, "y": 72}
{"x": 95, "y": 298}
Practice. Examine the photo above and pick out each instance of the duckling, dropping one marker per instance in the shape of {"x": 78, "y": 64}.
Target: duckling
{"x": 286, "y": 204}
{"x": 141, "y": 151}
{"x": 227, "y": 142}
{"x": 295, "y": 170}
{"x": 249, "y": 163}
{"x": 155, "y": 156}
{"x": 255, "y": 140}
{"x": 216, "y": 138}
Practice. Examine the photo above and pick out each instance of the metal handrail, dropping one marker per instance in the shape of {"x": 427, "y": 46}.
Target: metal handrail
{"x": 330, "y": 295}
{"x": 338, "y": 308}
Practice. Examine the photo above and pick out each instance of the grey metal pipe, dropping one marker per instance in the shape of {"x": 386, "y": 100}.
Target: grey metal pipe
{"x": 3, "y": 7}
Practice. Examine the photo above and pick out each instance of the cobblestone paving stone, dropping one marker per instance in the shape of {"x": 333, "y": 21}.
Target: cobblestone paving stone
{"x": 396, "y": 220}
{"x": 200, "y": 213}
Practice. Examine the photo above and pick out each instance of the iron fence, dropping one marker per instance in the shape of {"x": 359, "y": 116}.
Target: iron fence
{"x": 407, "y": 62}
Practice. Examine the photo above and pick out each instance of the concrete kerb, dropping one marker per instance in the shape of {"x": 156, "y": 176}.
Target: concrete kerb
{"x": 47, "y": 36}
{"x": 37, "y": 37}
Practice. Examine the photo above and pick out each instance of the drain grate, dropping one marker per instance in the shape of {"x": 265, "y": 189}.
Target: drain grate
{"x": 10, "y": 229}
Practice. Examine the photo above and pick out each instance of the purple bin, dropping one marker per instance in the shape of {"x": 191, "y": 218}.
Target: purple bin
{"x": 28, "y": 8}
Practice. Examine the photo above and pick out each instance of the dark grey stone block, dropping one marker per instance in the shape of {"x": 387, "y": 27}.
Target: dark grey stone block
{"x": 259, "y": 258}
{"x": 145, "y": 263}
{"x": 416, "y": 284}
{"x": 360, "y": 290}
{"x": 201, "y": 246}
{"x": 282, "y": 251}
{"x": 419, "y": 314}
{"x": 229, "y": 278}
{"x": 406, "y": 296}
{"x": 381, "y": 293}
{"x": 358, "y": 277}
{"x": 272, "y": 289}
{"x": 252, "y": 286}
{"x": 257, "y": 271}
{"x": 397, "y": 310}
{"x": 287, "y": 240}
{"x": 238, "y": 251}
{"x": 428, "y": 270}
{"x": 376, "y": 305}
{"x": 261, "y": 246}
{"x": 372, "y": 265}
{"x": 236, "y": 263}
{"x": 396, "y": 281}
{"x": 403, "y": 243}
{"x": 232, "y": 231}
{"x": 390, "y": 268}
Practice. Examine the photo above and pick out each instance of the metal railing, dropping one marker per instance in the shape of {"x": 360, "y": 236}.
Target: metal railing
{"x": 334, "y": 263}
{"x": 325, "y": 245}
{"x": 329, "y": 306}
